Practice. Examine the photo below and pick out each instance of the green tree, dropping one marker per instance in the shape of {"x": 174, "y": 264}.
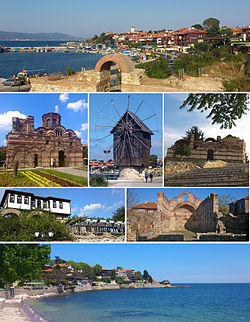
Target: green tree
{"x": 119, "y": 214}
{"x": 198, "y": 134}
{"x": 213, "y": 26}
{"x": 153, "y": 158}
{"x": 183, "y": 150}
{"x": 139, "y": 275}
{"x": 69, "y": 71}
{"x": 22, "y": 262}
{"x": 223, "y": 202}
{"x": 56, "y": 276}
{"x": 156, "y": 69}
{"x": 224, "y": 109}
{"x": 59, "y": 260}
{"x": 2, "y": 155}
{"x": 97, "y": 269}
{"x": 198, "y": 26}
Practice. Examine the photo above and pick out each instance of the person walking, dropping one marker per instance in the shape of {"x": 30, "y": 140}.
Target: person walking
{"x": 54, "y": 163}
{"x": 151, "y": 176}
{"x": 146, "y": 176}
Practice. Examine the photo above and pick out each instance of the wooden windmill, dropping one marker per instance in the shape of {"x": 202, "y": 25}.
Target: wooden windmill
{"x": 131, "y": 139}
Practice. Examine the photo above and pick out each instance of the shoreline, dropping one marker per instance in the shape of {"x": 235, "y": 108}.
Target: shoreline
{"x": 19, "y": 308}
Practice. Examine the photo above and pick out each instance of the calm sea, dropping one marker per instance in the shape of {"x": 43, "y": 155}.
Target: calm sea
{"x": 199, "y": 302}
{"x": 50, "y": 62}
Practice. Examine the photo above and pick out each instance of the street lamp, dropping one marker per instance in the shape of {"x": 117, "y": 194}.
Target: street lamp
{"x": 43, "y": 235}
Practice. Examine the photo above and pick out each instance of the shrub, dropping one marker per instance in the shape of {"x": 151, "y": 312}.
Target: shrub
{"x": 55, "y": 76}
{"x": 156, "y": 69}
{"x": 98, "y": 181}
{"x": 69, "y": 71}
{"x": 183, "y": 149}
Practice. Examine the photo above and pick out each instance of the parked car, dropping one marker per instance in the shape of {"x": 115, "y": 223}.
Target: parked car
{"x": 12, "y": 82}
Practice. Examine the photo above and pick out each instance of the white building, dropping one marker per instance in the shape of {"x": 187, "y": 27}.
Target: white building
{"x": 20, "y": 200}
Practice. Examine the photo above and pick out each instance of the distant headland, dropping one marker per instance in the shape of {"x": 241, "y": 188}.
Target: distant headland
{"x": 15, "y": 36}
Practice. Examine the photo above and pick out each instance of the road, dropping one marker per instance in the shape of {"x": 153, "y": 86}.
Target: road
{"x": 22, "y": 88}
{"x": 157, "y": 182}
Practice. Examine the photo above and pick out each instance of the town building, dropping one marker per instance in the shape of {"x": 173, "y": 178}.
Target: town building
{"x": 43, "y": 146}
{"x": 230, "y": 149}
{"x": 20, "y": 200}
{"x": 240, "y": 206}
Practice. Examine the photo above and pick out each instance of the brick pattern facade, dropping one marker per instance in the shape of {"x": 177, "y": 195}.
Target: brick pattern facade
{"x": 185, "y": 212}
{"x": 230, "y": 149}
{"x": 38, "y": 147}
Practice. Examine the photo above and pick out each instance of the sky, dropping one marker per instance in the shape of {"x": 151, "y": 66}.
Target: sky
{"x": 101, "y": 103}
{"x": 150, "y": 194}
{"x": 86, "y": 18}
{"x": 93, "y": 202}
{"x": 179, "y": 263}
{"x": 72, "y": 107}
{"x": 177, "y": 122}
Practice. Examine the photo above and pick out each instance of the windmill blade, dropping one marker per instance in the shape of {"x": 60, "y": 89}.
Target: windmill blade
{"x": 119, "y": 138}
{"x": 149, "y": 117}
{"x": 128, "y": 102}
{"x": 139, "y": 107}
{"x": 112, "y": 102}
{"x": 103, "y": 137}
{"x": 103, "y": 126}
{"x": 107, "y": 117}
{"x": 140, "y": 140}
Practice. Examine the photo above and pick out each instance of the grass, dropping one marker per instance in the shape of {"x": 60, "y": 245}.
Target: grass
{"x": 79, "y": 180}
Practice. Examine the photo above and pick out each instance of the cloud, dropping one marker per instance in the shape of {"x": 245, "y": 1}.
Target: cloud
{"x": 6, "y": 119}
{"x": 84, "y": 126}
{"x": 64, "y": 97}
{"x": 77, "y": 106}
{"x": 79, "y": 134}
{"x": 56, "y": 109}
{"x": 114, "y": 206}
{"x": 88, "y": 209}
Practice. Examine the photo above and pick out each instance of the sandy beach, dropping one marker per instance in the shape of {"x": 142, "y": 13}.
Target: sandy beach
{"x": 12, "y": 314}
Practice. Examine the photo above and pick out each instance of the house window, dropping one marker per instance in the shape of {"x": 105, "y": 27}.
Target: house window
{"x": 60, "y": 205}
{"x": 19, "y": 199}
{"x": 33, "y": 203}
{"x": 54, "y": 204}
{"x": 12, "y": 198}
{"x": 26, "y": 200}
{"x": 38, "y": 203}
{"x": 59, "y": 143}
{"x": 54, "y": 122}
{"x": 44, "y": 204}
{"x": 48, "y": 122}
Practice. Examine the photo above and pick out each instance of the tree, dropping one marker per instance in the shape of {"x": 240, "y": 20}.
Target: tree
{"x": 213, "y": 26}
{"x": 132, "y": 198}
{"x": 22, "y": 262}
{"x": 119, "y": 214}
{"x": 58, "y": 260}
{"x": 153, "y": 158}
{"x": 223, "y": 202}
{"x": 197, "y": 26}
{"x": 224, "y": 109}
{"x": 183, "y": 150}
{"x": 69, "y": 71}
{"x": 97, "y": 269}
{"x": 198, "y": 134}
{"x": 139, "y": 275}
{"x": 147, "y": 277}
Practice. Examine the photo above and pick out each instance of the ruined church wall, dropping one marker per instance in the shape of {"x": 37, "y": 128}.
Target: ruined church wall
{"x": 207, "y": 213}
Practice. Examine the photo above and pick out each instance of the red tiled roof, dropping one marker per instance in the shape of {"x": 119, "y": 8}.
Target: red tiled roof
{"x": 146, "y": 205}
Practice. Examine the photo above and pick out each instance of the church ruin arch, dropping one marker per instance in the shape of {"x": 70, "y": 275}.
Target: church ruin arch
{"x": 7, "y": 213}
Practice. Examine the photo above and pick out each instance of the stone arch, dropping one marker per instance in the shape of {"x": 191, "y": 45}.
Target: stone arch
{"x": 7, "y": 212}
{"x": 123, "y": 61}
{"x": 129, "y": 74}
{"x": 210, "y": 154}
{"x": 185, "y": 215}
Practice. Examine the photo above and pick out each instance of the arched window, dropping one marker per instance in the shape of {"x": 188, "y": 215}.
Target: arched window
{"x": 70, "y": 143}
{"x": 59, "y": 143}
{"x": 48, "y": 122}
{"x": 47, "y": 142}
{"x": 185, "y": 197}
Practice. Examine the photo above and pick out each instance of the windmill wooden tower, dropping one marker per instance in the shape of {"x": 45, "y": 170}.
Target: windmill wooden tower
{"x": 131, "y": 142}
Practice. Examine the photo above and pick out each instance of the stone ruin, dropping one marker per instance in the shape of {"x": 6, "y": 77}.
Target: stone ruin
{"x": 231, "y": 149}
{"x": 183, "y": 217}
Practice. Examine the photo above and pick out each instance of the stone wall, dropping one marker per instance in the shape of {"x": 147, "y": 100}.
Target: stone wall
{"x": 230, "y": 149}
{"x": 181, "y": 214}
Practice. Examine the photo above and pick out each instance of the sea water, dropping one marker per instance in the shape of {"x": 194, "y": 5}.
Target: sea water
{"x": 198, "y": 302}
{"x": 50, "y": 62}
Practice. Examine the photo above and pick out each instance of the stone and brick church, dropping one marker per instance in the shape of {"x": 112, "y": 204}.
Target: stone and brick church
{"x": 229, "y": 149}
{"x": 184, "y": 217}
{"x": 40, "y": 147}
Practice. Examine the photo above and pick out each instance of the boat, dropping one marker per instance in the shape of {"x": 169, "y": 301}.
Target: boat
{"x": 2, "y": 49}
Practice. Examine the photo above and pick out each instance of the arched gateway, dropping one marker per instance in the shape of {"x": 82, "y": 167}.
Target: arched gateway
{"x": 129, "y": 75}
